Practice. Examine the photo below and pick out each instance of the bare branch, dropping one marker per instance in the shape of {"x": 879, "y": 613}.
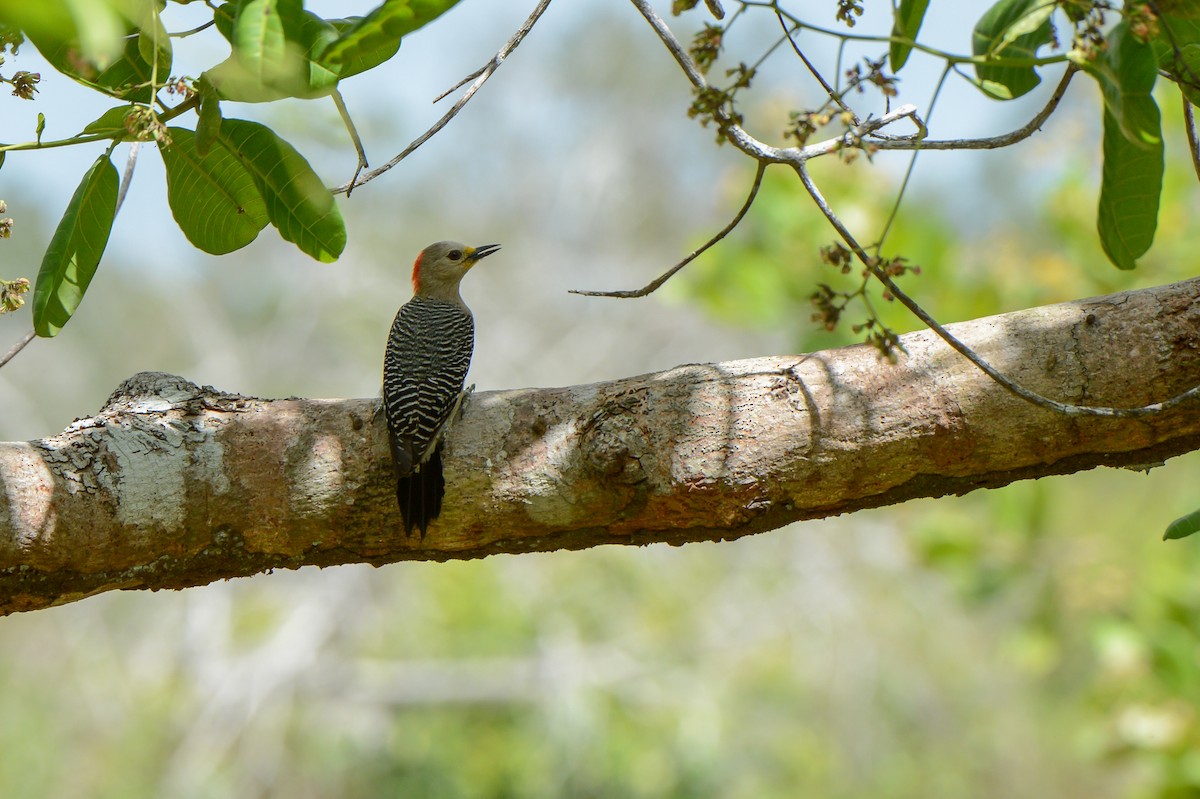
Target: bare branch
{"x": 1189, "y": 124}
{"x": 667, "y": 38}
{"x": 354, "y": 137}
{"x": 855, "y": 135}
{"x": 991, "y": 142}
{"x": 834, "y": 97}
{"x": 20, "y": 345}
{"x": 127, "y": 177}
{"x": 912, "y": 164}
{"x": 480, "y": 78}
{"x": 665, "y": 276}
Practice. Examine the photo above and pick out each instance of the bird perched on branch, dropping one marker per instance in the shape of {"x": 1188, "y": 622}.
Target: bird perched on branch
{"x": 428, "y": 353}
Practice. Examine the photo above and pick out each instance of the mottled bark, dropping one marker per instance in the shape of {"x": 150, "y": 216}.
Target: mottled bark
{"x": 172, "y": 485}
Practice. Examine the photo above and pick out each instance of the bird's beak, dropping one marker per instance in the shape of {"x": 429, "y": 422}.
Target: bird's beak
{"x": 482, "y": 251}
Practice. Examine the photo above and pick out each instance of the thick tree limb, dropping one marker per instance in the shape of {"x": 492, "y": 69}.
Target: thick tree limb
{"x": 171, "y": 485}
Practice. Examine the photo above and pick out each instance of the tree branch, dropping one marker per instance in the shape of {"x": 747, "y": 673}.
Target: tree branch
{"x": 654, "y": 285}
{"x": 1189, "y": 125}
{"x": 171, "y": 485}
{"x": 20, "y": 345}
{"x": 479, "y": 77}
{"x": 351, "y": 129}
{"x": 988, "y": 142}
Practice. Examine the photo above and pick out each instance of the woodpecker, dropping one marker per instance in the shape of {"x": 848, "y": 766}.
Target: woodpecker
{"x": 428, "y": 353}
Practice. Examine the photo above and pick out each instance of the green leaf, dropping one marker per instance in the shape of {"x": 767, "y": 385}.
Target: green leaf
{"x": 382, "y": 29}
{"x": 110, "y": 123}
{"x": 317, "y": 34}
{"x": 268, "y": 60}
{"x": 1183, "y": 526}
{"x": 1126, "y": 73}
{"x": 997, "y": 91}
{"x": 213, "y": 197}
{"x": 1187, "y": 64}
{"x": 367, "y": 57}
{"x": 1011, "y": 29}
{"x": 208, "y": 118}
{"x": 95, "y": 27}
{"x": 264, "y": 67}
{"x": 1177, "y": 48}
{"x": 224, "y": 16}
{"x": 127, "y": 77}
{"x": 75, "y": 250}
{"x": 908, "y": 17}
{"x": 258, "y": 40}
{"x": 1130, "y": 187}
{"x": 298, "y": 204}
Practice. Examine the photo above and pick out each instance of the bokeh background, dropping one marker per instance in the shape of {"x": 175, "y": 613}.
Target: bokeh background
{"x": 1038, "y": 640}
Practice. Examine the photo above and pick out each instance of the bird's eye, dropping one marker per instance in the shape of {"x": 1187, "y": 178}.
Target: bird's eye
{"x": 455, "y": 255}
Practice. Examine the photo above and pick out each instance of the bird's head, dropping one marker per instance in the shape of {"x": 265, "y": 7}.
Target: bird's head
{"x": 441, "y": 266}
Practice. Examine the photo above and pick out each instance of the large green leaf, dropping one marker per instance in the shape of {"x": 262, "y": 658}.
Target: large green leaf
{"x": 908, "y": 17}
{"x": 75, "y": 250}
{"x": 96, "y": 27}
{"x": 1126, "y": 72}
{"x": 268, "y": 61}
{"x": 1011, "y": 29}
{"x": 259, "y": 42}
{"x": 127, "y": 74}
{"x": 282, "y": 54}
{"x": 382, "y": 28}
{"x": 1130, "y": 187}
{"x": 213, "y": 197}
{"x": 297, "y": 202}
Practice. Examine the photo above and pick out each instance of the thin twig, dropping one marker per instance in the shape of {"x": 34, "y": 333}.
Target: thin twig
{"x": 354, "y": 137}
{"x": 990, "y": 142}
{"x": 20, "y": 345}
{"x": 481, "y": 77}
{"x": 130, "y": 163}
{"x": 193, "y": 31}
{"x": 1189, "y": 124}
{"x": 855, "y": 135}
{"x": 1067, "y": 409}
{"x": 829, "y": 90}
{"x": 461, "y": 83}
{"x": 912, "y": 163}
{"x": 797, "y": 159}
{"x": 665, "y": 276}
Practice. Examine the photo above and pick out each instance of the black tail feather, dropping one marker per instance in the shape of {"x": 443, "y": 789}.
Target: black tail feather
{"x": 420, "y": 494}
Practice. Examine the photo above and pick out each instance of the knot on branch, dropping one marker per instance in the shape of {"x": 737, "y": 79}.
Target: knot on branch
{"x": 145, "y": 387}
{"x": 159, "y": 391}
{"x": 613, "y": 443}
